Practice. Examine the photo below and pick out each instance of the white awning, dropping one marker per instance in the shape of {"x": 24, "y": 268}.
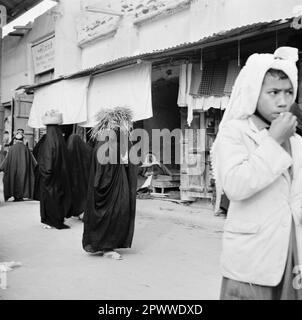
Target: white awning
{"x": 79, "y": 100}
{"x": 128, "y": 87}
{"x": 67, "y": 96}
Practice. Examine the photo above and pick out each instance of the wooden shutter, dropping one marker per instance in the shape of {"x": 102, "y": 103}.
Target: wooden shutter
{"x": 21, "y": 108}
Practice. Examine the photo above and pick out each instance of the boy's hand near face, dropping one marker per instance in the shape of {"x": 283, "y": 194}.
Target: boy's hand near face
{"x": 283, "y": 127}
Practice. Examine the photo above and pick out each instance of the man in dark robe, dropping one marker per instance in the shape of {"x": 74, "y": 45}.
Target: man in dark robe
{"x": 55, "y": 187}
{"x": 80, "y": 155}
{"x": 110, "y": 214}
{"x": 18, "y": 167}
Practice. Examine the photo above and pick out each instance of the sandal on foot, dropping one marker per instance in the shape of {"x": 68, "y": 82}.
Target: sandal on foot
{"x": 113, "y": 255}
{"x": 46, "y": 226}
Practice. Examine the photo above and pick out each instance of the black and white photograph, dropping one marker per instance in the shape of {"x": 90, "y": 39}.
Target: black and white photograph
{"x": 150, "y": 153}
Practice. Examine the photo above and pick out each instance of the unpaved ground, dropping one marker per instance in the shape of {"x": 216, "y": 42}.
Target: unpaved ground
{"x": 175, "y": 255}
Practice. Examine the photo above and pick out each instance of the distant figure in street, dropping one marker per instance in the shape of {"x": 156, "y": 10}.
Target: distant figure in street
{"x": 257, "y": 162}
{"x": 110, "y": 214}
{"x": 18, "y": 168}
{"x": 24, "y": 140}
{"x": 55, "y": 187}
{"x": 80, "y": 155}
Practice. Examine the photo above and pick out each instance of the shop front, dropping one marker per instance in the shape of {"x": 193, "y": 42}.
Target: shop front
{"x": 185, "y": 89}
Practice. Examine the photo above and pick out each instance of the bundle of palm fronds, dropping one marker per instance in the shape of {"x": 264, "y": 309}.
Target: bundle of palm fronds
{"x": 112, "y": 119}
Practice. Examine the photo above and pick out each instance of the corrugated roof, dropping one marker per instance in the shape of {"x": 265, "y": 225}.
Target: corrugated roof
{"x": 239, "y": 32}
{"x": 17, "y": 7}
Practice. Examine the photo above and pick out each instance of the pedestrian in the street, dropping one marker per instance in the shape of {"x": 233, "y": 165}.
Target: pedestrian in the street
{"x": 257, "y": 161}
{"x": 80, "y": 155}
{"x": 19, "y": 132}
{"x": 18, "y": 167}
{"x": 111, "y": 203}
{"x": 55, "y": 187}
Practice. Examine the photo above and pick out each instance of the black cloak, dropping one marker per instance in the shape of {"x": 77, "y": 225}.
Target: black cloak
{"x": 110, "y": 214}
{"x": 18, "y": 167}
{"x": 55, "y": 186}
{"x": 80, "y": 155}
{"x": 37, "y": 171}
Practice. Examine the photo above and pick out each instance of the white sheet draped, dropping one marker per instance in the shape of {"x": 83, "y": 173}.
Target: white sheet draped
{"x": 67, "y": 96}
{"x": 79, "y": 100}
{"x": 129, "y": 87}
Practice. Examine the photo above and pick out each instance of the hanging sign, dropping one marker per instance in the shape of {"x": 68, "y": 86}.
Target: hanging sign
{"x": 43, "y": 55}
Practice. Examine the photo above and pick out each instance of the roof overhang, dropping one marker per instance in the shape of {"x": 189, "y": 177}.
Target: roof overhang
{"x": 158, "y": 56}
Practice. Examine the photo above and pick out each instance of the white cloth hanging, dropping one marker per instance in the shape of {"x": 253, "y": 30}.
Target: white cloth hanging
{"x": 184, "y": 97}
{"x": 69, "y": 97}
{"x": 128, "y": 87}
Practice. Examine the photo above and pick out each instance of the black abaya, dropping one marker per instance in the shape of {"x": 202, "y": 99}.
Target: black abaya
{"x": 18, "y": 167}
{"x": 80, "y": 155}
{"x": 111, "y": 203}
{"x": 36, "y": 151}
{"x": 55, "y": 187}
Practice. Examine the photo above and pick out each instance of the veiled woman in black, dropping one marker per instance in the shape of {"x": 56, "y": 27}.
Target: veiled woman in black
{"x": 55, "y": 187}
{"x": 80, "y": 155}
{"x": 110, "y": 213}
{"x": 18, "y": 167}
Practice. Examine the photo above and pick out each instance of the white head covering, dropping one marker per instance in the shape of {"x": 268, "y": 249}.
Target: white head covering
{"x": 247, "y": 87}
{"x": 248, "y": 84}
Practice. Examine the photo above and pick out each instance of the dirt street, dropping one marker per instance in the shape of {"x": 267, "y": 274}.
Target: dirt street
{"x": 175, "y": 255}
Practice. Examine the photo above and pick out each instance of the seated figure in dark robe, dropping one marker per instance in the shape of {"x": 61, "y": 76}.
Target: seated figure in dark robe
{"x": 110, "y": 213}
{"x": 55, "y": 186}
{"x": 80, "y": 154}
{"x": 18, "y": 167}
